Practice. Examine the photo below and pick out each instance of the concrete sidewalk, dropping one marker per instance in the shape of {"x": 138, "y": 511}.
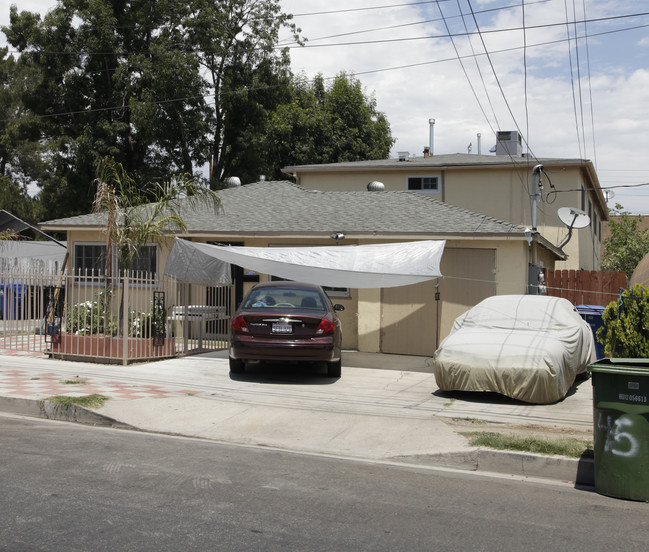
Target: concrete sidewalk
{"x": 384, "y": 407}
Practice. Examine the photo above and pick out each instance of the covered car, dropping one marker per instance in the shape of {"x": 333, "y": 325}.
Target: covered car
{"x": 527, "y": 347}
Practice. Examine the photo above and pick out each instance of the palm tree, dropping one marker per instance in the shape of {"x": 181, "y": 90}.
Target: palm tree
{"x": 140, "y": 215}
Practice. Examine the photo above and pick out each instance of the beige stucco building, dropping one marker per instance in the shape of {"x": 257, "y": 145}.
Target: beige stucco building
{"x": 483, "y": 256}
{"x": 501, "y": 186}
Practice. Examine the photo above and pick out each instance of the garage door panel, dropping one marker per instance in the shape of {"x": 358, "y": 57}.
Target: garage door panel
{"x": 412, "y": 321}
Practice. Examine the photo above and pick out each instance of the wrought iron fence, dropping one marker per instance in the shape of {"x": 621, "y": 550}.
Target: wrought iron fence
{"x": 133, "y": 317}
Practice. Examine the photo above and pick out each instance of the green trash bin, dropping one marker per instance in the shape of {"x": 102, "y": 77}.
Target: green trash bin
{"x": 621, "y": 427}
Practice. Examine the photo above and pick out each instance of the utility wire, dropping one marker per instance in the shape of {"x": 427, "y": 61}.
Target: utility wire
{"x": 411, "y": 24}
{"x": 382, "y": 41}
{"x": 369, "y": 8}
{"x": 356, "y": 74}
{"x": 502, "y": 91}
{"x": 459, "y": 58}
{"x": 486, "y": 32}
{"x": 590, "y": 88}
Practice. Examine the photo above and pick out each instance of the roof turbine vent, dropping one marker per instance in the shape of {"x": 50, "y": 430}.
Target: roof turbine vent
{"x": 375, "y": 186}
{"x": 232, "y": 182}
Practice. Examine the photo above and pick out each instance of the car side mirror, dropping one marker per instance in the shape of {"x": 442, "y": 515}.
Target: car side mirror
{"x": 339, "y": 307}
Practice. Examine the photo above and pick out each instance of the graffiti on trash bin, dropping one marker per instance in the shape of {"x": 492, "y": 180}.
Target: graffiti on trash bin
{"x": 618, "y": 439}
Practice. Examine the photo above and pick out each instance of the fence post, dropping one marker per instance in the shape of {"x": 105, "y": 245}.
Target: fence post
{"x": 125, "y": 328}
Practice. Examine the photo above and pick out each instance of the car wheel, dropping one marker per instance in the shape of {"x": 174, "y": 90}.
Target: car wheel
{"x": 334, "y": 368}
{"x": 237, "y": 366}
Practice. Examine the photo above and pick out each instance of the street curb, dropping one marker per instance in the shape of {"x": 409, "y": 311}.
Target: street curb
{"x": 579, "y": 471}
{"x": 52, "y": 410}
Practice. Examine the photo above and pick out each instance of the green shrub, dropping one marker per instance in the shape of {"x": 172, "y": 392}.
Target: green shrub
{"x": 625, "y": 333}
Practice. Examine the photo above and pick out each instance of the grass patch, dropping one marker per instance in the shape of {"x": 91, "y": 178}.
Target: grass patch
{"x": 74, "y": 382}
{"x": 450, "y": 403}
{"x": 87, "y": 401}
{"x": 572, "y": 448}
{"x": 475, "y": 421}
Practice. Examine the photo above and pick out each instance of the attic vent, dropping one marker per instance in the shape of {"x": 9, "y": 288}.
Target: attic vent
{"x": 403, "y": 155}
{"x": 232, "y": 181}
{"x": 375, "y": 186}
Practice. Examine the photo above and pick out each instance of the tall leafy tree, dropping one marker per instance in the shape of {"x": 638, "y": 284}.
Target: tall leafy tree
{"x": 325, "y": 122}
{"x": 627, "y": 243}
{"x": 105, "y": 78}
{"x": 236, "y": 43}
{"x": 168, "y": 87}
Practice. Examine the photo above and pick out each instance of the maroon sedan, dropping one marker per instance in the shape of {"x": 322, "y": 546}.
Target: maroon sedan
{"x": 286, "y": 321}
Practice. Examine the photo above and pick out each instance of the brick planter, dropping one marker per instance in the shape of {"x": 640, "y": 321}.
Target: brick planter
{"x": 110, "y": 349}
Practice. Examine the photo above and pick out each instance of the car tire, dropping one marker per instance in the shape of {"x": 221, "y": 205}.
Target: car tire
{"x": 237, "y": 366}
{"x": 334, "y": 368}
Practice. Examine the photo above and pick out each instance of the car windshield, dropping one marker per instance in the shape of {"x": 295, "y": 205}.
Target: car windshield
{"x": 284, "y": 298}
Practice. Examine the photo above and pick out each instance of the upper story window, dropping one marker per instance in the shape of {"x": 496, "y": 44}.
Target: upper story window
{"x": 431, "y": 183}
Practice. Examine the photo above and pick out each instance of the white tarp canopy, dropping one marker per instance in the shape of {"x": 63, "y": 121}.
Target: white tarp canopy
{"x": 352, "y": 266}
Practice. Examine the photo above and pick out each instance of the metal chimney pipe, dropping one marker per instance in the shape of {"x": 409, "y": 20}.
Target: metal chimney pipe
{"x": 431, "y": 126}
{"x": 479, "y": 144}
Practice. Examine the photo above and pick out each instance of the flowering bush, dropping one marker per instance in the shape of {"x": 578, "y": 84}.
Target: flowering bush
{"x": 91, "y": 317}
{"x": 147, "y": 324}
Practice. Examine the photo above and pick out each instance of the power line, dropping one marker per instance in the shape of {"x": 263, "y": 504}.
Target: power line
{"x": 414, "y": 23}
{"x": 502, "y": 92}
{"x": 459, "y": 58}
{"x": 370, "y": 8}
{"x": 487, "y": 32}
{"x": 382, "y": 41}
{"x": 356, "y": 74}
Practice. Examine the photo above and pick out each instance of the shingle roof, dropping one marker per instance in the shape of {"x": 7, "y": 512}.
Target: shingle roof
{"x": 273, "y": 207}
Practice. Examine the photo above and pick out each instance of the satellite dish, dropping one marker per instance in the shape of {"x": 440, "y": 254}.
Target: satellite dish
{"x": 573, "y": 217}
{"x": 610, "y": 194}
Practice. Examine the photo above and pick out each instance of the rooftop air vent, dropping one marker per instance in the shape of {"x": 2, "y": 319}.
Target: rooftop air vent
{"x": 232, "y": 182}
{"x": 403, "y": 155}
{"x": 375, "y": 186}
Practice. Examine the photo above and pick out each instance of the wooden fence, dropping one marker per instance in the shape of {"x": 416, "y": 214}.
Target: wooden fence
{"x": 585, "y": 287}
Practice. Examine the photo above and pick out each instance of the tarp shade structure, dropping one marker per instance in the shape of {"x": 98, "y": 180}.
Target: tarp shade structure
{"x": 193, "y": 263}
{"x": 13, "y": 224}
{"x": 31, "y": 255}
{"x": 351, "y": 266}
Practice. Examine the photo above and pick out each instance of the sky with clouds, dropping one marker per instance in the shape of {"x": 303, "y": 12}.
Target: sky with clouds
{"x": 571, "y": 75}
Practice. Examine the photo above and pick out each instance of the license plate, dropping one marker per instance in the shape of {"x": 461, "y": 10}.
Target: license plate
{"x": 282, "y": 328}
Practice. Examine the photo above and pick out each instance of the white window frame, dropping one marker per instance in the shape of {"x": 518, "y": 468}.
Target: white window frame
{"x": 436, "y": 190}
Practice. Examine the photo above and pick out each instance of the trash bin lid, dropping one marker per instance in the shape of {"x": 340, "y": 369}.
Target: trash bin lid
{"x": 634, "y": 366}
{"x": 590, "y": 309}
